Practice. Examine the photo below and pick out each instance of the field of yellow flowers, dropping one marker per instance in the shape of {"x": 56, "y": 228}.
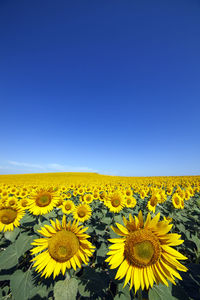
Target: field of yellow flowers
{"x": 68, "y": 236}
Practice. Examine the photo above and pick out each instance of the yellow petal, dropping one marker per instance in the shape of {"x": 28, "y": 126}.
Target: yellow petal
{"x": 173, "y": 252}
{"x": 128, "y": 275}
{"x": 122, "y": 228}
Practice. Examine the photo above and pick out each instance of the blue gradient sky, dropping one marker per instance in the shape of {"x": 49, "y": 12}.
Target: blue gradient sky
{"x": 105, "y": 86}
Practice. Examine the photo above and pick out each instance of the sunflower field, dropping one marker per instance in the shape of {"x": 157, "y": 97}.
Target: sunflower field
{"x": 68, "y": 236}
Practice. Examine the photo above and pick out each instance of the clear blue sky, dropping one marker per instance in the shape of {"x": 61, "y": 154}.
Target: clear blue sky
{"x": 105, "y": 86}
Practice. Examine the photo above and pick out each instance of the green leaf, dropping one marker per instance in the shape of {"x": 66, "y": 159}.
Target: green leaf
{"x": 161, "y": 292}
{"x": 196, "y": 240}
{"x": 50, "y": 215}
{"x": 123, "y": 293}
{"x": 66, "y": 289}
{"x": 106, "y": 220}
{"x": 118, "y": 219}
{"x": 8, "y": 258}
{"x": 27, "y": 219}
{"x": 23, "y": 243}
{"x": 11, "y": 235}
{"x": 83, "y": 290}
{"x": 102, "y": 250}
{"x": 40, "y": 290}
{"x": 36, "y": 227}
{"x": 21, "y": 284}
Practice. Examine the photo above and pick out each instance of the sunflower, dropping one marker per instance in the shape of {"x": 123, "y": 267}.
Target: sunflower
{"x": 115, "y": 202}
{"x": 68, "y": 195}
{"x": 43, "y": 201}
{"x": 82, "y": 212}
{"x": 87, "y": 198}
{"x": 176, "y": 200}
{"x": 24, "y": 203}
{"x": 95, "y": 194}
{"x": 10, "y": 217}
{"x": 12, "y": 201}
{"x": 131, "y": 202}
{"x": 153, "y": 201}
{"x": 128, "y": 193}
{"x": 144, "y": 254}
{"x": 67, "y": 206}
{"x": 63, "y": 246}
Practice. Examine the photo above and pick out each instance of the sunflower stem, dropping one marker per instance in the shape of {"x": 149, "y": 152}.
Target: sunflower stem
{"x": 67, "y": 276}
{"x": 140, "y": 294}
{"x": 40, "y": 220}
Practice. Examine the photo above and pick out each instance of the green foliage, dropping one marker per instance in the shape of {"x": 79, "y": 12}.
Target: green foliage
{"x": 27, "y": 219}
{"x": 8, "y": 257}
{"x": 66, "y": 289}
{"x": 122, "y": 293}
{"x": 161, "y": 292}
{"x": 11, "y": 235}
{"x": 21, "y": 284}
{"x": 23, "y": 243}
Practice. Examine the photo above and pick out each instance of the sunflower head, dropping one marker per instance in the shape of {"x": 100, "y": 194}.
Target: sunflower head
{"x": 10, "y": 217}
{"x": 115, "y": 202}
{"x": 24, "y": 203}
{"x": 12, "y": 201}
{"x": 176, "y": 200}
{"x": 143, "y": 253}
{"x": 43, "y": 201}
{"x": 87, "y": 198}
{"x": 68, "y": 206}
{"x": 64, "y": 246}
{"x": 130, "y": 202}
{"x": 82, "y": 212}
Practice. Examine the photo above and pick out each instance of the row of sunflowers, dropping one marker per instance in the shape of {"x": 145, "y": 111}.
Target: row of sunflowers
{"x": 113, "y": 232}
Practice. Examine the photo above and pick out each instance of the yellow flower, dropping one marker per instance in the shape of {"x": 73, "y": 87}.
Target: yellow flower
{"x": 64, "y": 246}
{"x": 67, "y": 206}
{"x": 68, "y": 195}
{"x": 82, "y": 212}
{"x": 81, "y": 191}
{"x": 153, "y": 202}
{"x": 88, "y": 198}
{"x": 187, "y": 195}
{"x": 176, "y": 200}
{"x": 170, "y": 190}
{"x": 144, "y": 254}
{"x": 12, "y": 202}
{"x": 24, "y": 203}
{"x": 10, "y": 217}
{"x": 131, "y": 202}
{"x": 128, "y": 193}
{"x": 43, "y": 201}
{"x": 115, "y": 201}
{"x": 95, "y": 194}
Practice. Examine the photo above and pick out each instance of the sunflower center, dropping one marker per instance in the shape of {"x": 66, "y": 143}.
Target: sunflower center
{"x": 24, "y": 203}
{"x": 43, "y": 200}
{"x": 177, "y": 200}
{"x": 82, "y": 212}
{"x": 8, "y": 215}
{"x": 115, "y": 202}
{"x": 153, "y": 201}
{"x": 12, "y": 202}
{"x": 128, "y": 201}
{"x": 142, "y": 248}
{"x": 63, "y": 245}
{"x": 67, "y": 206}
